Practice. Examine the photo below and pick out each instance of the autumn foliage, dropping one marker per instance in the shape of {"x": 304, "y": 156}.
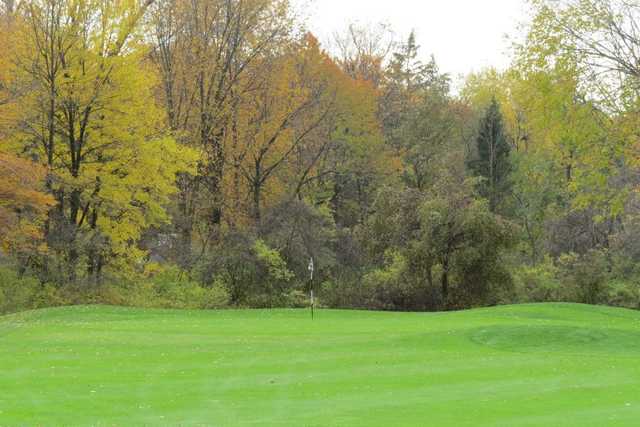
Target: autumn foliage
{"x": 22, "y": 199}
{"x": 197, "y": 153}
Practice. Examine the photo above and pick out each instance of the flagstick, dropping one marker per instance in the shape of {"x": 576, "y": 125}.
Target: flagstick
{"x": 311, "y": 268}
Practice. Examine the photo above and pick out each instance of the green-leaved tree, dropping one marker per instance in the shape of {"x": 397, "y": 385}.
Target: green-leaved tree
{"x": 492, "y": 158}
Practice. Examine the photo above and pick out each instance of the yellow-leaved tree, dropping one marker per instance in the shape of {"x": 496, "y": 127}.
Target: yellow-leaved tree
{"x": 306, "y": 122}
{"x": 89, "y": 116}
{"x": 22, "y": 201}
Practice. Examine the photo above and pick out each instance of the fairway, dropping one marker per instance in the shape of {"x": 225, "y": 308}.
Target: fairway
{"x": 531, "y": 365}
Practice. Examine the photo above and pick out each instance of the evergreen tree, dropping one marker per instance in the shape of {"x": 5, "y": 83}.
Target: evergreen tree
{"x": 492, "y": 160}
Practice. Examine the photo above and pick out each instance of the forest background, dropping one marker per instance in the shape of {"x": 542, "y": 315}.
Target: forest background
{"x": 197, "y": 154}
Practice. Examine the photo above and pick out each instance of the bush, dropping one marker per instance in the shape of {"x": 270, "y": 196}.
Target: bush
{"x": 255, "y": 274}
{"x": 15, "y": 293}
{"x": 19, "y": 293}
{"x": 348, "y": 292}
{"x": 172, "y": 288}
{"x": 386, "y": 286}
{"x": 623, "y": 294}
{"x": 587, "y": 274}
{"x": 539, "y": 283}
{"x": 164, "y": 287}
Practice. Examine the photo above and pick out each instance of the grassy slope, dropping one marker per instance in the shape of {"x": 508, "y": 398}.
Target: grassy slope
{"x": 546, "y": 365}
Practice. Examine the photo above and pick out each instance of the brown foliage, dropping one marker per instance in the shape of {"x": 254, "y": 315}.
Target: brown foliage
{"x": 21, "y": 200}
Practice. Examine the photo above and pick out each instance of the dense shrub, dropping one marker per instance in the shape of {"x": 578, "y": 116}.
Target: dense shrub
{"x": 163, "y": 288}
{"x": 299, "y": 231}
{"x": 391, "y": 287}
{"x": 586, "y": 274}
{"x": 172, "y": 288}
{"x": 623, "y": 294}
{"x": 539, "y": 283}
{"x": 255, "y": 274}
{"x": 23, "y": 292}
{"x": 347, "y": 292}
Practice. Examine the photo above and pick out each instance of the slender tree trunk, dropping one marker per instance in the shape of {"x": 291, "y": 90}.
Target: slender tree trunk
{"x": 532, "y": 242}
{"x": 236, "y": 194}
{"x": 93, "y": 255}
{"x": 257, "y": 193}
{"x": 492, "y": 173}
{"x": 184, "y": 224}
{"x": 445, "y": 281}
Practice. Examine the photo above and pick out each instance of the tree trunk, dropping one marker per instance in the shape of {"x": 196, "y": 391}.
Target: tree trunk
{"x": 445, "y": 281}
{"x": 184, "y": 223}
{"x": 257, "y": 190}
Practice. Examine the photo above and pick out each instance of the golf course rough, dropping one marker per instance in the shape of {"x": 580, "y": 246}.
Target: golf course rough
{"x": 530, "y": 365}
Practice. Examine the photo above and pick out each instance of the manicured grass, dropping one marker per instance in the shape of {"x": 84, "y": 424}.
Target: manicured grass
{"x": 533, "y": 365}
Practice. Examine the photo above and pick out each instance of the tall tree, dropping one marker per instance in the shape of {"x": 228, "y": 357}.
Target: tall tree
{"x": 363, "y": 50}
{"x": 23, "y": 202}
{"x": 464, "y": 240}
{"x": 603, "y": 36}
{"x": 493, "y": 161}
{"x": 209, "y": 54}
{"x": 89, "y": 117}
{"x": 293, "y": 100}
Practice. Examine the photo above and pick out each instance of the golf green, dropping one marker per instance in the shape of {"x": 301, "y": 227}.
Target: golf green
{"x": 530, "y": 365}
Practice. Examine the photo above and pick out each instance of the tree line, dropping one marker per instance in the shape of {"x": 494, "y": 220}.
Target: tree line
{"x": 197, "y": 153}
